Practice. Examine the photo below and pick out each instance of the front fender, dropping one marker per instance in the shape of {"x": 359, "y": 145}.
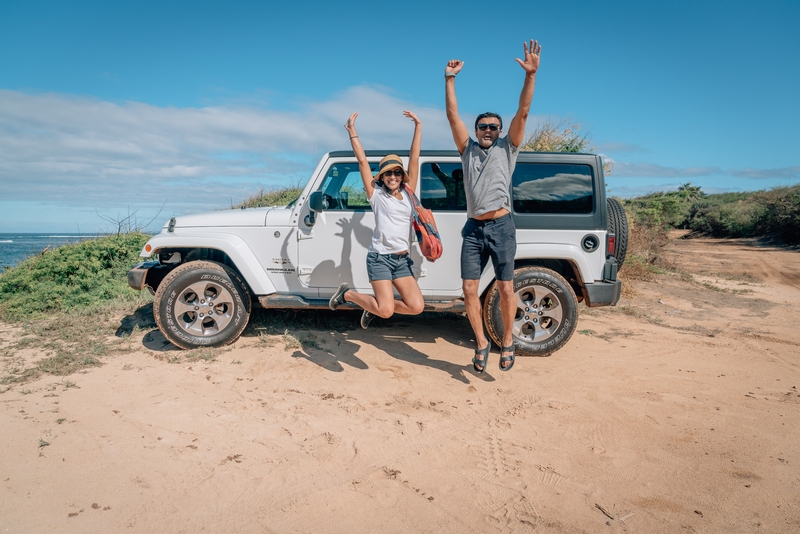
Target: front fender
{"x": 234, "y": 246}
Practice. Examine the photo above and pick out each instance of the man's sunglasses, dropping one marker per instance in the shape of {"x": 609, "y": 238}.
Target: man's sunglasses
{"x": 393, "y": 172}
{"x": 492, "y": 127}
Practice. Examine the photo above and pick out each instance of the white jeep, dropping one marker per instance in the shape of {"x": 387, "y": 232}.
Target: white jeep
{"x": 210, "y": 269}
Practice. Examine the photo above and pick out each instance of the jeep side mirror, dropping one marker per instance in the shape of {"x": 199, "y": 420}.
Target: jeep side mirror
{"x": 315, "y": 203}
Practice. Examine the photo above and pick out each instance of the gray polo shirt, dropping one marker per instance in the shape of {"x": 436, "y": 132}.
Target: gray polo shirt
{"x": 487, "y": 175}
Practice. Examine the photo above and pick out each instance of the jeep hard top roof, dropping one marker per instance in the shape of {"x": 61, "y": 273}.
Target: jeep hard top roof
{"x": 433, "y": 153}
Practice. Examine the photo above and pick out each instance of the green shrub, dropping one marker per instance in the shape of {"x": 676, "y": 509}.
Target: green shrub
{"x": 70, "y": 277}
{"x": 275, "y": 197}
{"x": 736, "y": 219}
{"x": 775, "y": 212}
{"x": 562, "y": 136}
{"x": 662, "y": 210}
{"x": 780, "y": 213}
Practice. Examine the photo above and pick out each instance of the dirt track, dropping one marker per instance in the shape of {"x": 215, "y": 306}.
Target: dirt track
{"x": 678, "y": 410}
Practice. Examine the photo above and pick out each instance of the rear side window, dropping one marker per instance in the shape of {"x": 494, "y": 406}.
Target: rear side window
{"x": 553, "y": 188}
{"x": 442, "y": 187}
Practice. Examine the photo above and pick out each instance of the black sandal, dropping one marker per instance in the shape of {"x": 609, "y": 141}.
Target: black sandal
{"x": 481, "y": 352}
{"x": 506, "y": 359}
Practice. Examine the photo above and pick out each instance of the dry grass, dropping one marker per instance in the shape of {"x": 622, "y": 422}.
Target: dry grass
{"x": 645, "y": 257}
{"x": 69, "y": 342}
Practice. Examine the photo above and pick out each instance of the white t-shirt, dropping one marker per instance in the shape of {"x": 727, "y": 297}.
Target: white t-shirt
{"x": 392, "y": 222}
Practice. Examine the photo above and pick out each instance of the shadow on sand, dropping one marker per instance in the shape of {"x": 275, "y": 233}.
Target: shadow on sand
{"x": 331, "y": 340}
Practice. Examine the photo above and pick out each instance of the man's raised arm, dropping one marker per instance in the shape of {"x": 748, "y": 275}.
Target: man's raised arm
{"x": 516, "y": 132}
{"x": 460, "y": 133}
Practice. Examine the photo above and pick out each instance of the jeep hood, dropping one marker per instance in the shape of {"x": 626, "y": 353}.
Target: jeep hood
{"x": 225, "y": 218}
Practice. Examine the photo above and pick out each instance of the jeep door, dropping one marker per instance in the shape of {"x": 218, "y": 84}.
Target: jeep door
{"x": 441, "y": 189}
{"x": 334, "y": 249}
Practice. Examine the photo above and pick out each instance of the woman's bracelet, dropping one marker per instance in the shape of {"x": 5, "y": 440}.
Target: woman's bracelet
{"x": 353, "y": 137}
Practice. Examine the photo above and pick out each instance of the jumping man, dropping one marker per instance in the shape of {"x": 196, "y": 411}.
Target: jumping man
{"x": 488, "y": 164}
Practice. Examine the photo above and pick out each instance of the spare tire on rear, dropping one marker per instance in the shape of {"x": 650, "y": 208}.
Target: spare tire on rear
{"x": 618, "y": 225}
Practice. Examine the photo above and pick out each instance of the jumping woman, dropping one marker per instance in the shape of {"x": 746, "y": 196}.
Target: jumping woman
{"x": 388, "y": 262}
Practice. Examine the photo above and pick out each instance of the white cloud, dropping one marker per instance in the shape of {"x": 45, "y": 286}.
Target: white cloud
{"x": 77, "y": 150}
{"x": 618, "y": 147}
{"x": 762, "y": 174}
{"x": 64, "y": 157}
{"x": 653, "y": 170}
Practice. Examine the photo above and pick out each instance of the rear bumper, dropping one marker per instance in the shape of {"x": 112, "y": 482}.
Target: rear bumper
{"x": 605, "y": 293}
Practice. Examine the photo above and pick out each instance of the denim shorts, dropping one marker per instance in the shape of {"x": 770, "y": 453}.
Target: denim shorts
{"x": 495, "y": 238}
{"x": 388, "y": 266}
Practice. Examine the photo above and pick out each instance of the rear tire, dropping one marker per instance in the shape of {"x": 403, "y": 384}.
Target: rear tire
{"x": 618, "y": 225}
{"x": 202, "y": 304}
{"x": 547, "y": 312}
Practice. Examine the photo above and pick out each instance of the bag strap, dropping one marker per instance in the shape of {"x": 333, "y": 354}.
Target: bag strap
{"x": 412, "y": 198}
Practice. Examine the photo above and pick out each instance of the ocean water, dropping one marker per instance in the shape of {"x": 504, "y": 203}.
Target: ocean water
{"x": 15, "y": 248}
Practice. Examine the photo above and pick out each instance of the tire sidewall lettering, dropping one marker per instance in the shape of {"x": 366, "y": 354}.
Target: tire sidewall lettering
{"x": 530, "y": 278}
{"x": 538, "y": 281}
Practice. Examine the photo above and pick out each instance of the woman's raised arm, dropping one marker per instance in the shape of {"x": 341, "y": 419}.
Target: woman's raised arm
{"x": 413, "y": 155}
{"x": 363, "y": 164}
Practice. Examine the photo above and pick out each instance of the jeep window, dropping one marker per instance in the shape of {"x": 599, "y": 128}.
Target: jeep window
{"x": 442, "y": 187}
{"x": 343, "y": 188}
{"x": 553, "y": 188}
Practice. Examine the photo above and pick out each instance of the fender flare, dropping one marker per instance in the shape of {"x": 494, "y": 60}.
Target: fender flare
{"x": 234, "y": 246}
{"x": 546, "y": 251}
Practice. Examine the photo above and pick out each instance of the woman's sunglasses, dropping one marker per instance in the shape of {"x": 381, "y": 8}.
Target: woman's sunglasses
{"x": 393, "y": 172}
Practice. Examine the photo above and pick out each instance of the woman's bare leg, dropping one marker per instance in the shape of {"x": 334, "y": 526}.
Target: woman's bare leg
{"x": 412, "y": 302}
{"x": 382, "y": 304}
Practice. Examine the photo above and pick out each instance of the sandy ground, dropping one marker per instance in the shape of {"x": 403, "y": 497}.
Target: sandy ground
{"x": 677, "y": 411}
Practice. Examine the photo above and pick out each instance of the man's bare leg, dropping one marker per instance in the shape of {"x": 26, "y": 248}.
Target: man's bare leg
{"x": 472, "y": 303}
{"x": 508, "y": 307}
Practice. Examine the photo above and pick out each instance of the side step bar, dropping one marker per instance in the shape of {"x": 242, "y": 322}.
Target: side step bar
{"x": 300, "y": 303}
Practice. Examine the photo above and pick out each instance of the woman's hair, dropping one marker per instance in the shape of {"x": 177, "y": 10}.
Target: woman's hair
{"x": 385, "y": 187}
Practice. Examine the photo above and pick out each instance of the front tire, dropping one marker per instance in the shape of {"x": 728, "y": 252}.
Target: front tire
{"x": 202, "y": 304}
{"x": 547, "y": 312}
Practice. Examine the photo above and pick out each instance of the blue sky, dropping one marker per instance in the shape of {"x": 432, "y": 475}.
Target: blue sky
{"x": 110, "y": 108}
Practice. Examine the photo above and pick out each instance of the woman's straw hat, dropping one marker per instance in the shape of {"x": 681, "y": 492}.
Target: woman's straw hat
{"x": 388, "y": 163}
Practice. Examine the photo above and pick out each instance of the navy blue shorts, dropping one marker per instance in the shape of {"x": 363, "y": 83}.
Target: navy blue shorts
{"x": 388, "y": 266}
{"x": 492, "y": 238}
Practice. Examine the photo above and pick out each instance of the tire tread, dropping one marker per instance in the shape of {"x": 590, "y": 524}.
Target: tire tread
{"x": 493, "y": 322}
{"x": 618, "y": 224}
{"x": 189, "y": 267}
